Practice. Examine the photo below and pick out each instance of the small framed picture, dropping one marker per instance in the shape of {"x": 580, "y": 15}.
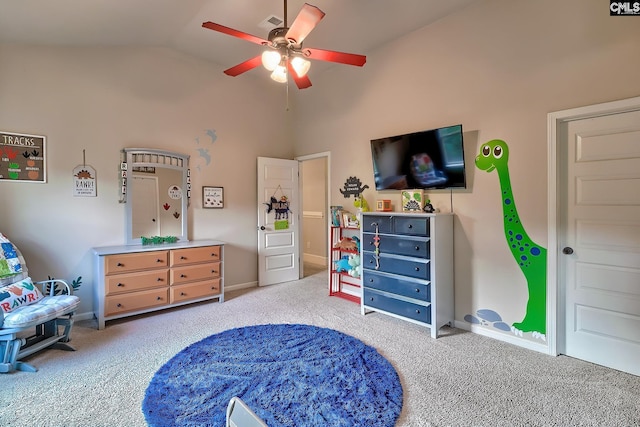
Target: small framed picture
{"x": 212, "y": 197}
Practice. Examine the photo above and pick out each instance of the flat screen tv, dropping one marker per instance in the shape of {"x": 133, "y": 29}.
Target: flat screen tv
{"x": 428, "y": 159}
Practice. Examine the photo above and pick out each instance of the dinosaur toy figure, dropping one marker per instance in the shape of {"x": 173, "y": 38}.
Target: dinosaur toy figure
{"x": 531, "y": 257}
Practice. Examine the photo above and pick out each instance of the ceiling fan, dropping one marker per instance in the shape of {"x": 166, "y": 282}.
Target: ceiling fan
{"x": 284, "y": 54}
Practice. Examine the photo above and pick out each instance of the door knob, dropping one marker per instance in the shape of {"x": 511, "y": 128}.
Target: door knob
{"x": 567, "y": 250}
{"x": 262, "y": 227}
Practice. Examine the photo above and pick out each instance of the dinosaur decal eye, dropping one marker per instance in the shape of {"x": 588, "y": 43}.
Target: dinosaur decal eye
{"x": 486, "y": 150}
{"x": 497, "y": 151}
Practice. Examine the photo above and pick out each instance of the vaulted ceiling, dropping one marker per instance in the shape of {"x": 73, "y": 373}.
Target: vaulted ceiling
{"x": 354, "y": 26}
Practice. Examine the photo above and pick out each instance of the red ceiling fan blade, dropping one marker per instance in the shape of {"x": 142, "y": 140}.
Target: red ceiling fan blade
{"x": 306, "y": 21}
{"x": 245, "y": 66}
{"x": 302, "y": 82}
{"x": 334, "y": 56}
{"x": 234, "y": 33}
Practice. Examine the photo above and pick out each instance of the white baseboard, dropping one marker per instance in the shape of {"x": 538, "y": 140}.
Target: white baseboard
{"x": 508, "y": 338}
{"x": 315, "y": 259}
{"x": 240, "y": 286}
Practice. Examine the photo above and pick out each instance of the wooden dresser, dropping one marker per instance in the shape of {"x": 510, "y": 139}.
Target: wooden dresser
{"x": 136, "y": 279}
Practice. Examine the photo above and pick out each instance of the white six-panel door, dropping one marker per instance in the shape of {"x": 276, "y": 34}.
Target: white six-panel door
{"x": 599, "y": 260}
{"x": 278, "y": 254}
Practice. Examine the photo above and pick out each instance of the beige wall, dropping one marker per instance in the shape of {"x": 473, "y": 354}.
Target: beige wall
{"x": 498, "y": 67}
{"x": 102, "y": 100}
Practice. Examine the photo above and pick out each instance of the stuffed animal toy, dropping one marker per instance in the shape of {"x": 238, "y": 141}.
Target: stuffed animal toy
{"x": 354, "y": 264}
{"x": 361, "y": 203}
{"x": 342, "y": 265}
{"x": 346, "y": 243}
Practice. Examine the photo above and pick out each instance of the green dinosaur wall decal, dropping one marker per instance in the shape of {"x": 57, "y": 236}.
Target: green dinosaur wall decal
{"x": 531, "y": 257}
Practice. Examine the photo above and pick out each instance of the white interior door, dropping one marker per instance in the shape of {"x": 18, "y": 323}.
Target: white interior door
{"x": 145, "y": 210}
{"x": 600, "y": 259}
{"x": 278, "y": 225}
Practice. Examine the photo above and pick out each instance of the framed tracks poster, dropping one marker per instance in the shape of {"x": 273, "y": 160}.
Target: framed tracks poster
{"x": 22, "y": 157}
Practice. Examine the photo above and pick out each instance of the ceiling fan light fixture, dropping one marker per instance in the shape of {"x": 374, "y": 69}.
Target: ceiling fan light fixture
{"x": 300, "y": 65}
{"x": 271, "y": 59}
{"x": 279, "y": 74}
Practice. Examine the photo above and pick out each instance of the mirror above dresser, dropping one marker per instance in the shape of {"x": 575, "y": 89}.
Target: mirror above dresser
{"x": 156, "y": 186}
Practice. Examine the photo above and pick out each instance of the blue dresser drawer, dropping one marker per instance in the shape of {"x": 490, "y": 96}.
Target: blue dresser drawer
{"x": 396, "y": 265}
{"x": 402, "y": 308}
{"x": 395, "y": 285}
{"x": 411, "y": 225}
{"x": 384, "y": 224}
{"x": 416, "y": 247}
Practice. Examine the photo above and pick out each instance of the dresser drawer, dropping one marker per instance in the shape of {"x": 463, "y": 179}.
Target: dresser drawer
{"x": 394, "y": 285}
{"x": 407, "y": 309}
{"x": 383, "y": 222}
{"x": 194, "y": 290}
{"x": 122, "y": 263}
{"x": 196, "y": 272}
{"x": 119, "y": 283}
{"x": 418, "y": 269}
{"x": 416, "y": 247}
{"x": 117, "y": 304}
{"x": 194, "y": 255}
{"x": 411, "y": 225}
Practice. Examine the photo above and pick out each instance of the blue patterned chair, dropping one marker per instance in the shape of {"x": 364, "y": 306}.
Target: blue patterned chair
{"x": 33, "y": 315}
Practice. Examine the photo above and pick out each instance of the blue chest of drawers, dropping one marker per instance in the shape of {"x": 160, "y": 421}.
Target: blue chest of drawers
{"x": 407, "y": 262}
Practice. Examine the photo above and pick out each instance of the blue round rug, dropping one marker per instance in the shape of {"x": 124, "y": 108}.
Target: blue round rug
{"x": 289, "y": 375}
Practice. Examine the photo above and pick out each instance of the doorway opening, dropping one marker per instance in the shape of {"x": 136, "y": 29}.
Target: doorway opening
{"x": 315, "y": 196}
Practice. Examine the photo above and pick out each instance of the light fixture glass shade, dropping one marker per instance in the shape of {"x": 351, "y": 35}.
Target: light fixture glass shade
{"x": 300, "y": 65}
{"x": 280, "y": 74}
{"x": 270, "y": 59}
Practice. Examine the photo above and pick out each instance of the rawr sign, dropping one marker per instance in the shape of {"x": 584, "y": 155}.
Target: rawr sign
{"x": 621, "y": 8}
{"x": 84, "y": 181}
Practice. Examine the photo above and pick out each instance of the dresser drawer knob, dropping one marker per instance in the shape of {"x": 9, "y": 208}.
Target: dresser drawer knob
{"x": 417, "y": 248}
{"x": 213, "y": 271}
{"x": 183, "y": 257}
{"x": 410, "y": 225}
{"x": 370, "y": 261}
{"x": 417, "y": 311}
{"x": 118, "y": 305}
{"x": 417, "y": 268}
{"x": 159, "y": 279}
{"x": 120, "y": 285}
{"x": 214, "y": 254}
{"x": 159, "y": 260}
{"x": 159, "y": 298}
{"x": 418, "y": 290}
{"x": 371, "y": 299}
{"x": 183, "y": 275}
{"x": 370, "y": 280}
{"x": 119, "y": 264}
{"x": 182, "y": 294}
{"x": 213, "y": 288}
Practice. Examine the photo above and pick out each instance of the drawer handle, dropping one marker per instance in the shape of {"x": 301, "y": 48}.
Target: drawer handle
{"x": 120, "y": 285}
{"x": 183, "y": 257}
{"x": 183, "y": 275}
{"x": 410, "y": 225}
{"x": 159, "y": 260}
{"x": 417, "y": 268}
{"x": 417, "y": 311}
{"x": 370, "y": 261}
{"x": 371, "y": 299}
{"x": 119, "y": 305}
{"x": 213, "y": 288}
{"x": 418, "y": 290}
{"x": 159, "y": 279}
{"x": 214, "y": 254}
{"x": 370, "y": 280}
{"x": 159, "y": 298}
{"x": 182, "y": 294}
{"x": 417, "y": 248}
{"x": 213, "y": 271}
{"x": 119, "y": 264}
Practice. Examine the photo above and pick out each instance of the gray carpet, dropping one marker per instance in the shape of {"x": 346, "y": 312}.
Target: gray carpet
{"x": 460, "y": 379}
